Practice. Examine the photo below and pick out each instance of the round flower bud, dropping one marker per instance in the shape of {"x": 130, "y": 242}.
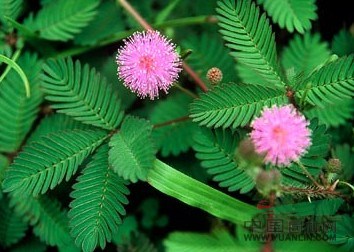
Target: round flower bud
{"x": 214, "y": 75}
{"x": 268, "y": 181}
{"x": 334, "y": 165}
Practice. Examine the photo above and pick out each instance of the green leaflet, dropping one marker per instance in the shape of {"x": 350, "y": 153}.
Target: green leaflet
{"x": 331, "y": 83}
{"x": 344, "y": 233}
{"x": 333, "y": 114}
{"x": 80, "y": 92}
{"x": 12, "y": 227}
{"x": 132, "y": 150}
{"x": 10, "y": 8}
{"x": 194, "y": 193}
{"x": 44, "y": 164}
{"x": 305, "y": 53}
{"x": 99, "y": 199}
{"x": 207, "y": 53}
{"x": 175, "y": 138}
{"x": 62, "y": 19}
{"x": 216, "y": 150}
{"x": 292, "y": 14}
{"x": 249, "y": 36}
{"x": 49, "y": 222}
{"x": 345, "y": 155}
{"x": 4, "y": 163}
{"x": 107, "y": 22}
{"x": 250, "y": 76}
{"x": 313, "y": 160}
{"x": 56, "y": 123}
{"x": 343, "y": 43}
{"x": 233, "y": 105}
{"x": 17, "y": 111}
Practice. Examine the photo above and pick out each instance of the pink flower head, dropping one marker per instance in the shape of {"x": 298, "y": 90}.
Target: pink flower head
{"x": 147, "y": 63}
{"x": 281, "y": 134}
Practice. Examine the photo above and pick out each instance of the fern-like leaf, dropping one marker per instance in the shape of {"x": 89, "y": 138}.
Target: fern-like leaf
{"x": 233, "y": 105}
{"x": 333, "y": 114}
{"x": 44, "y": 164}
{"x": 292, "y": 14}
{"x": 331, "y": 83}
{"x": 344, "y": 233}
{"x": 4, "y": 163}
{"x": 343, "y": 43}
{"x": 304, "y": 53}
{"x": 11, "y": 9}
{"x": 62, "y": 19}
{"x": 17, "y": 111}
{"x": 132, "y": 150}
{"x": 56, "y": 123}
{"x": 176, "y": 137}
{"x": 313, "y": 160}
{"x": 216, "y": 150}
{"x": 207, "y": 53}
{"x": 249, "y": 36}
{"x": 99, "y": 198}
{"x": 250, "y": 76}
{"x": 12, "y": 227}
{"x": 80, "y": 92}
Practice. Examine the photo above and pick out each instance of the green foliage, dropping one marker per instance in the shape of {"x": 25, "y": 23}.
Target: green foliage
{"x": 44, "y": 164}
{"x": 96, "y": 210}
{"x": 30, "y": 245}
{"x": 218, "y": 240}
{"x": 216, "y": 151}
{"x": 132, "y": 150}
{"x": 4, "y": 163}
{"x": 234, "y": 105}
{"x": 249, "y": 36}
{"x": 80, "y": 92}
{"x": 333, "y": 115}
{"x": 250, "y": 76}
{"x": 107, "y": 22}
{"x": 331, "y": 83}
{"x": 345, "y": 155}
{"x": 305, "y": 53}
{"x": 177, "y": 137}
{"x": 10, "y": 8}
{"x": 207, "y": 53}
{"x": 344, "y": 233}
{"x": 62, "y": 19}
{"x": 12, "y": 227}
{"x": 17, "y": 111}
{"x": 343, "y": 43}
{"x": 292, "y": 14}
{"x": 313, "y": 160}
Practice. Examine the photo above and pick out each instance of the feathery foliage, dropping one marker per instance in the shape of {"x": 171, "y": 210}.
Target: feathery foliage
{"x": 17, "y": 111}
{"x": 345, "y": 155}
{"x": 132, "y": 150}
{"x": 12, "y": 227}
{"x": 344, "y": 233}
{"x": 234, "y": 105}
{"x": 99, "y": 198}
{"x": 216, "y": 151}
{"x": 207, "y": 53}
{"x": 291, "y": 14}
{"x": 305, "y": 53}
{"x": 249, "y": 36}
{"x": 343, "y": 43}
{"x": 4, "y": 163}
{"x": 333, "y": 114}
{"x": 80, "y": 92}
{"x": 44, "y": 164}
{"x": 10, "y": 8}
{"x": 175, "y": 138}
{"x": 250, "y": 76}
{"x": 61, "y": 20}
{"x": 331, "y": 83}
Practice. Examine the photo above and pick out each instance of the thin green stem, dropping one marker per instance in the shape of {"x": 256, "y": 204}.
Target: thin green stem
{"x": 194, "y": 193}
{"x": 8, "y": 67}
{"x": 186, "y": 91}
{"x": 308, "y": 174}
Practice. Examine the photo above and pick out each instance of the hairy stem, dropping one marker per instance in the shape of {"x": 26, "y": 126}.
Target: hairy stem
{"x": 308, "y": 175}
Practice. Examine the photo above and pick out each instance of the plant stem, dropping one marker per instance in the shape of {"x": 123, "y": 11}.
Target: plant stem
{"x": 194, "y": 193}
{"x": 147, "y": 26}
{"x": 186, "y": 91}
{"x": 181, "y": 119}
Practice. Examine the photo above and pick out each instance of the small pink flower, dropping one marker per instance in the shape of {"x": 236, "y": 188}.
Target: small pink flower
{"x": 281, "y": 134}
{"x": 147, "y": 63}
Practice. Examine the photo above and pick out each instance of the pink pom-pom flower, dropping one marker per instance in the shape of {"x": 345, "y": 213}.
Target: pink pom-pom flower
{"x": 281, "y": 134}
{"x": 148, "y": 63}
